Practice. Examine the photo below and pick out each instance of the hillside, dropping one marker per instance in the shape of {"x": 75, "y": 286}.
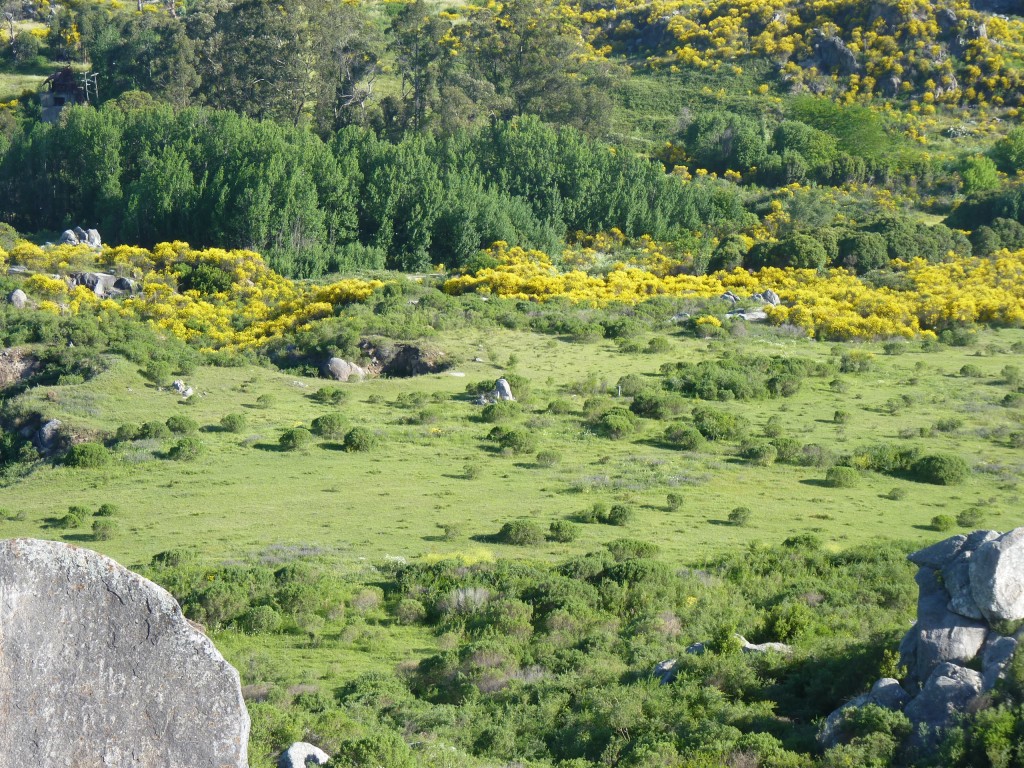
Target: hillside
{"x": 753, "y": 274}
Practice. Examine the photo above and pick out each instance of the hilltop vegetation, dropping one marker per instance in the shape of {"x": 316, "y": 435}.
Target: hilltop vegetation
{"x": 753, "y": 273}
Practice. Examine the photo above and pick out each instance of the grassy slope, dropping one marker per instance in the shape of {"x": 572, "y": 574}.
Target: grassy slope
{"x": 245, "y": 495}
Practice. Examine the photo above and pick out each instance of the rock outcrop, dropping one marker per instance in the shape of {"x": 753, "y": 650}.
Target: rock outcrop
{"x": 301, "y": 754}
{"x": 970, "y": 587}
{"x": 18, "y": 299}
{"x": 98, "y": 668}
{"x": 342, "y": 370}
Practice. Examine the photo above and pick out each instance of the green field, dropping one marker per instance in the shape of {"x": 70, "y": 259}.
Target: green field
{"x": 246, "y": 495}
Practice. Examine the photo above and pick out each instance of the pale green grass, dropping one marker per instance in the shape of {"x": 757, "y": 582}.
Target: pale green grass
{"x": 245, "y": 495}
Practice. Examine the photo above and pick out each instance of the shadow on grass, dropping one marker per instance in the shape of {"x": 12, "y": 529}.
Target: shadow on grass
{"x": 269, "y": 447}
{"x": 79, "y": 537}
{"x": 332, "y": 446}
{"x": 815, "y": 483}
{"x": 726, "y": 523}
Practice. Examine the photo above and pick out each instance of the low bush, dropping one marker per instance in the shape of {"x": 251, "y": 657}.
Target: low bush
{"x": 233, "y": 422}
{"x": 943, "y": 523}
{"x": 328, "y": 396}
{"x": 619, "y": 514}
{"x": 841, "y": 477}
{"x": 182, "y": 425}
{"x": 296, "y": 439}
{"x": 549, "y": 458}
{"x": 331, "y": 426}
{"x": 740, "y": 516}
{"x": 522, "y": 533}
{"x": 360, "y": 439}
{"x": 563, "y": 531}
{"x": 154, "y": 430}
{"x": 501, "y": 411}
{"x": 88, "y": 456}
{"x": 103, "y": 530}
{"x": 684, "y": 437}
{"x": 187, "y": 449}
{"x": 940, "y": 469}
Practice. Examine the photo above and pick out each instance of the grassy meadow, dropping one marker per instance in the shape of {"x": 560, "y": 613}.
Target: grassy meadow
{"x": 246, "y": 494}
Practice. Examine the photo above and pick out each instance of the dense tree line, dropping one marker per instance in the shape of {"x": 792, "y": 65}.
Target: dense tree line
{"x": 149, "y": 173}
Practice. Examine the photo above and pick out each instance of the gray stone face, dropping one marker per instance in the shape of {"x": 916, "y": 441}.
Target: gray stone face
{"x": 937, "y": 555}
{"x": 997, "y": 577}
{"x": 300, "y": 754}
{"x": 948, "y": 690}
{"x": 68, "y": 237}
{"x": 995, "y": 656}
{"x": 342, "y": 370}
{"x": 99, "y": 668}
{"x": 886, "y": 692}
{"x": 18, "y": 299}
{"x": 956, "y": 577}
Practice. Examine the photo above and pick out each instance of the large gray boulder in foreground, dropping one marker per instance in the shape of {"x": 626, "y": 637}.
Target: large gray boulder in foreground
{"x": 997, "y": 577}
{"x": 98, "y": 668}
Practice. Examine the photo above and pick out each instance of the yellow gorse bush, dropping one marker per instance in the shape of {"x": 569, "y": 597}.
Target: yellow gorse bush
{"x": 831, "y": 305}
{"x": 259, "y": 305}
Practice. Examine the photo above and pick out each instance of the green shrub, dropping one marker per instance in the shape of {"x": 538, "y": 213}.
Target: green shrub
{"x": 107, "y": 510}
{"x": 88, "y": 456}
{"x": 940, "y": 469}
{"x": 619, "y": 514}
{"x": 718, "y": 425}
{"x": 674, "y": 501}
{"x": 740, "y": 516}
{"x": 841, "y": 417}
{"x": 659, "y": 345}
{"x": 896, "y": 494}
{"x": 971, "y": 517}
{"x": 631, "y": 549}
{"x": 563, "y": 531}
{"x": 595, "y": 513}
{"x": 126, "y": 433}
{"x": 950, "y": 424}
{"x": 516, "y": 440}
{"x": 657, "y": 405}
{"x": 856, "y": 361}
{"x": 560, "y": 407}
{"x": 182, "y": 425}
{"x": 684, "y": 437}
{"x": 103, "y": 530}
{"x": 233, "y": 422}
{"x": 360, "y": 439}
{"x": 265, "y": 402}
{"x": 549, "y": 458}
{"x": 522, "y": 533}
{"x": 73, "y": 519}
{"x": 331, "y": 426}
{"x": 329, "y": 396}
{"x": 503, "y": 410}
{"x": 261, "y": 620}
{"x": 971, "y": 371}
{"x": 159, "y": 372}
{"x": 943, "y": 522}
{"x": 296, "y": 439}
{"x": 842, "y": 477}
{"x": 154, "y": 430}
{"x": 773, "y": 427}
{"x": 617, "y": 424}
{"x": 187, "y": 449}
{"x": 760, "y": 452}
{"x": 410, "y": 611}
{"x": 788, "y": 450}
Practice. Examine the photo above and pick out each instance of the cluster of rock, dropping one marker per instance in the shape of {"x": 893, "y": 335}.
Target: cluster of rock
{"x": 970, "y": 588}
{"x": 768, "y": 298}
{"x": 99, "y": 667}
{"x": 666, "y": 671}
{"x": 302, "y": 754}
{"x": 342, "y": 370}
{"x": 502, "y": 391}
{"x": 182, "y": 389}
{"x": 79, "y": 236}
{"x": 101, "y": 283}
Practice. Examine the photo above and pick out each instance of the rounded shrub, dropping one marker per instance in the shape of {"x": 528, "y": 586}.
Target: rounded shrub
{"x": 971, "y": 371}
{"x": 107, "y": 510}
{"x": 409, "y": 611}
{"x": 503, "y": 410}
{"x": 265, "y": 401}
{"x": 759, "y": 452}
{"x": 261, "y": 620}
{"x": 126, "y": 433}
{"x": 940, "y": 469}
{"x": 332, "y": 426}
{"x": 187, "y": 449}
{"x": 88, "y": 456}
{"x": 548, "y": 458}
{"x": 684, "y": 437}
{"x": 841, "y": 477}
{"x": 674, "y": 501}
{"x": 182, "y": 425}
{"x": 896, "y": 494}
{"x": 296, "y": 439}
{"x": 103, "y": 530}
{"x": 517, "y": 441}
{"x": 617, "y": 424}
{"x": 841, "y": 417}
{"x": 360, "y": 439}
{"x": 943, "y": 522}
{"x": 560, "y": 407}
{"x": 971, "y": 517}
{"x": 619, "y": 514}
{"x": 328, "y": 396}
{"x": 154, "y": 430}
{"x": 740, "y": 516}
{"x": 563, "y": 531}
{"x": 233, "y": 422}
{"x": 523, "y": 533}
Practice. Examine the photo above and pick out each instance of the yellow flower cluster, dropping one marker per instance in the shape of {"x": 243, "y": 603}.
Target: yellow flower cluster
{"x": 832, "y": 305}
{"x": 258, "y": 306}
